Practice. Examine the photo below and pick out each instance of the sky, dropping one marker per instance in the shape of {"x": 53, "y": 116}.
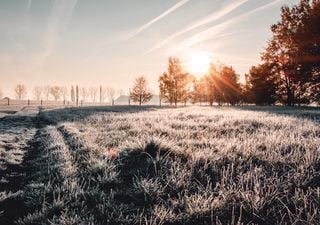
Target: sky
{"x": 111, "y": 42}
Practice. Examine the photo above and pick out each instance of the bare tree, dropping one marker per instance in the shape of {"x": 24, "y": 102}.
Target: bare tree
{"x": 64, "y": 92}
{"x": 46, "y": 92}
{"x": 93, "y": 91}
{"x": 37, "y": 92}
{"x": 20, "y": 91}
{"x": 55, "y": 92}
{"x": 77, "y": 95}
{"x": 111, "y": 92}
{"x": 140, "y": 92}
{"x": 103, "y": 94}
{"x": 84, "y": 93}
{"x": 1, "y": 93}
{"x": 72, "y": 94}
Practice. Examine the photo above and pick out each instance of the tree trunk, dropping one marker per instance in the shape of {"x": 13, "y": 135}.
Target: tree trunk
{"x": 290, "y": 96}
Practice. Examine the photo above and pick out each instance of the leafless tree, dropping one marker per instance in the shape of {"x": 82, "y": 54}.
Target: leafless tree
{"x": 20, "y": 91}
{"x": 64, "y": 92}
{"x": 103, "y": 94}
{"x": 46, "y": 92}
{"x": 84, "y": 93}
{"x": 37, "y": 92}
{"x": 55, "y": 92}
{"x": 93, "y": 91}
{"x": 77, "y": 94}
{"x": 72, "y": 94}
{"x": 111, "y": 92}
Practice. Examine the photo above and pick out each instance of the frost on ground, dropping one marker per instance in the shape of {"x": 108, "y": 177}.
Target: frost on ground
{"x": 194, "y": 165}
{"x": 15, "y": 133}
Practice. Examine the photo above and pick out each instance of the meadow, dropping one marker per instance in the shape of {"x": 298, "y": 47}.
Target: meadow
{"x": 151, "y": 165}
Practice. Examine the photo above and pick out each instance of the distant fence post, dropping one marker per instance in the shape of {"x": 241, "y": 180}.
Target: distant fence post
{"x": 28, "y": 101}
{"x": 64, "y": 101}
{"x": 8, "y": 101}
{"x": 41, "y": 103}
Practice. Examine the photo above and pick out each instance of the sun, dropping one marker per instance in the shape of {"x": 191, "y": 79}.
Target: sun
{"x": 198, "y": 62}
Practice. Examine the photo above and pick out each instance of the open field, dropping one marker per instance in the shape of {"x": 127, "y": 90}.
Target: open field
{"x": 150, "y": 165}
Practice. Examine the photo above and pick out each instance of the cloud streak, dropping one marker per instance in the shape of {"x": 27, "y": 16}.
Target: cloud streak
{"x": 59, "y": 18}
{"x": 226, "y": 9}
{"x": 154, "y": 20}
{"x": 210, "y": 32}
{"x": 29, "y": 5}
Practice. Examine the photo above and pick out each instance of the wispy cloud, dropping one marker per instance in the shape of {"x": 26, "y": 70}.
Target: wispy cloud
{"x": 29, "y": 5}
{"x": 168, "y": 11}
{"x": 208, "y": 19}
{"x": 59, "y": 18}
{"x": 214, "y": 30}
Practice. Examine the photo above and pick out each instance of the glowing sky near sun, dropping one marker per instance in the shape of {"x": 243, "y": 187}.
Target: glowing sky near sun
{"x": 64, "y": 42}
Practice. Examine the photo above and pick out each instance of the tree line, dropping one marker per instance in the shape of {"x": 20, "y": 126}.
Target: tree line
{"x": 220, "y": 85}
{"x": 73, "y": 94}
{"x": 289, "y": 72}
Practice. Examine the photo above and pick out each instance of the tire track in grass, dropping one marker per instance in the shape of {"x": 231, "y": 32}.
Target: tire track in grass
{"x": 17, "y": 133}
{"x": 53, "y": 179}
{"x": 57, "y": 179}
{"x": 50, "y": 180}
{"x": 83, "y": 155}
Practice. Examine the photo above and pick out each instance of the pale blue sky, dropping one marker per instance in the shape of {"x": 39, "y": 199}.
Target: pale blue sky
{"x": 110, "y": 42}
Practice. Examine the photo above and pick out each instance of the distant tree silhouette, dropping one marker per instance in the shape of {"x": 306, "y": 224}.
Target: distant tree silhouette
{"x": 64, "y": 92}
{"x": 20, "y": 91}
{"x": 93, "y": 92}
{"x": 103, "y": 93}
{"x": 100, "y": 94}
{"x": 294, "y": 50}
{"x": 37, "y": 92}
{"x": 72, "y": 94}
{"x": 174, "y": 83}
{"x": 46, "y": 92}
{"x": 84, "y": 94}
{"x": 140, "y": 91}
{"x": 77, "y": 95}
{"x": 111, "y": 93}
{"x": 186, "y": 94}
{"x": 55, "y": 91}
{"x": 261, "y": 85}
{"x": 199, "y": 92}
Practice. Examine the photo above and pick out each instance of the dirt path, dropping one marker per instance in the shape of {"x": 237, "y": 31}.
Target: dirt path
{"x": 17, "y": 149}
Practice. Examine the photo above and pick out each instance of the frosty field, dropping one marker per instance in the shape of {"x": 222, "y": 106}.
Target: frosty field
{"x": 151, "y": 165}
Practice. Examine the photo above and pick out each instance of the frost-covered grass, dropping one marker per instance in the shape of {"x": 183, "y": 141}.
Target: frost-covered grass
{"x": 193, "y": 165}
